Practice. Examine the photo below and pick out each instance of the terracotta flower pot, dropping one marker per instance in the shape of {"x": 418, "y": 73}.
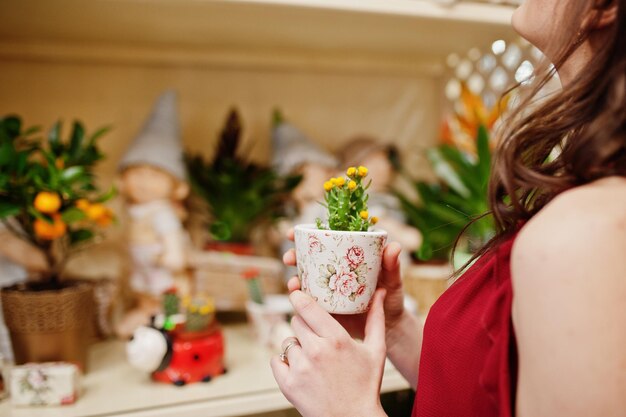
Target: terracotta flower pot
{"x": 237, "y": 248}
{"x": 51, "y": 324}
{"x": 339, "y": 269}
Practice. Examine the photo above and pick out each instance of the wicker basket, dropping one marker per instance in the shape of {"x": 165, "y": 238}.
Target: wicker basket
{"x": 51, "y": 325}
{"x": 426, "y": 282}
{"x": 221, "y": 276}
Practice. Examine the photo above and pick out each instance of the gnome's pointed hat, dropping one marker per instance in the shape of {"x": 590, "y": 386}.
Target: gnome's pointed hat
{"x": 292, "y": 149}
{"x": 158, "y": 142}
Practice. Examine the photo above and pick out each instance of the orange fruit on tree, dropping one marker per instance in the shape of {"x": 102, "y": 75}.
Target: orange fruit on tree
{"x": 106, "y": 219}
{"x": 50, "y": 231}
{"x": 96, "y": 211}
{"x": 83, "y": 204}
{"x": 47, "y": 202}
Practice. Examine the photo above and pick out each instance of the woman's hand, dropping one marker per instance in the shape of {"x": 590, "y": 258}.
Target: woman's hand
{"x": 389, "y": 280}
{"x": 327, "y": 373}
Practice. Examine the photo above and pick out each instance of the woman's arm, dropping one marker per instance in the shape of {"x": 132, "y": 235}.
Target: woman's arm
{"x": 403, "y": 335}
{"x": 404, "y": 345}
{"x": 569, "y": 311}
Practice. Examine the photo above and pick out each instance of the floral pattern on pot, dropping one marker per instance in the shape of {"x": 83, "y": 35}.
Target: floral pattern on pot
{"x": 339, "y": 269}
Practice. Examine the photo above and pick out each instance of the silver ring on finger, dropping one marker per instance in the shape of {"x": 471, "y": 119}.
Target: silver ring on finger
{"x": 283, "y": 356}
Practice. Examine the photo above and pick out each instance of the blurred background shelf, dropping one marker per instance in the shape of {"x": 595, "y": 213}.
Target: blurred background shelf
{"x": 114, "y": 388}
{"x": 337, "y": 68}
{"x": 316, "y": 33}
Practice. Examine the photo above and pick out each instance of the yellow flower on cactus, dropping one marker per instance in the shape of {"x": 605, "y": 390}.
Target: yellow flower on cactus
{"x": 347, "y": 205}
{"x": 47, "y": 202}
{"x": 204, "y": 310}
{"x": 374, "y": 220}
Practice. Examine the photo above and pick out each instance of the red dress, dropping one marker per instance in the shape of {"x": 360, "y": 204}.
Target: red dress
{"x": 468, "y": 365}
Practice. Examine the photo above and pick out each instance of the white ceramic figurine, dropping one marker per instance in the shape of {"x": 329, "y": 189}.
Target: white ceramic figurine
{"x": 153, "y": 183}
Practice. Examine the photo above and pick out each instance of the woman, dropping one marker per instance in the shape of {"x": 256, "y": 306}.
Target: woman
{"x": 537, "y": 326}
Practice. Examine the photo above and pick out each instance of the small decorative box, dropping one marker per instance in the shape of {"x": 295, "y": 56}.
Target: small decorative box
{"x": 54, "y": 383}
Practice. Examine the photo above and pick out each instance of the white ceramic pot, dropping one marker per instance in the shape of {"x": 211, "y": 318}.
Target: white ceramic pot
{"x": 267, "y": 318}
{"x": 339, "y": 269}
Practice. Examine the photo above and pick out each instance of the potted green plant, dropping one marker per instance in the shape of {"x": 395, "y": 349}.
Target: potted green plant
{"x": 339, "y": 258}
{"x": 443, "y": 209}
{"x": 239, "y": 194}
{"x": 446, "y": 207}
{"x": 48, "y": 197}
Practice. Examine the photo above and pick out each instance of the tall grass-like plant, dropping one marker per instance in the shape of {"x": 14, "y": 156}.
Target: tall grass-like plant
{"x": 239, "y": 194}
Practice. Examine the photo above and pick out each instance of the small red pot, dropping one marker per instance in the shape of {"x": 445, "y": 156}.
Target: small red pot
{"x": 236, "y": 248}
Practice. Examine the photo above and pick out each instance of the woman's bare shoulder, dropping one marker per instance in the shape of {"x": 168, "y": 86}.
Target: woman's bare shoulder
{"x": 586, "y": 218}
{"x": 569, "y": 279}
{"x": 577, "y": 239}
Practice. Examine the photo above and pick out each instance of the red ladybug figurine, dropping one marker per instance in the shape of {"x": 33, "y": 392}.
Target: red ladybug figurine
{"x": 179, "y": 357}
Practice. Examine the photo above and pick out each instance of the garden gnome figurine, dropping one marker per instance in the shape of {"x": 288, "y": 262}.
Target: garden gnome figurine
{"x": 295, "y": 153}
{"x": 153, "y": 183}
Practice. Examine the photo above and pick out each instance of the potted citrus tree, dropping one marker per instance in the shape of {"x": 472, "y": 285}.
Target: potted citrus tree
{"x": 48, "y": 198}
{"x": 239, "y": 195}
{"x": 339, "y": 258}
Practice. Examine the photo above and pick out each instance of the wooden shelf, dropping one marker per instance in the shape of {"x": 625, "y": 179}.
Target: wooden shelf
{"x": 392, "y": 32}
{"x": 113, "y": 388}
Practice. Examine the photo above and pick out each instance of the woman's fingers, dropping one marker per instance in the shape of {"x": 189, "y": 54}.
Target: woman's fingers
{"x": 375, "y": 324}
{"x": 293, "y": 284}
{"x": 318, "y": 320}
{"x": 290, "y": 234}
{"x": 280, "y": 370}
{"x": 289, "y": 258}
{"x": 303, "y": 332}
{"x": 293, "y": 350}
{"x": 390, "y": 277}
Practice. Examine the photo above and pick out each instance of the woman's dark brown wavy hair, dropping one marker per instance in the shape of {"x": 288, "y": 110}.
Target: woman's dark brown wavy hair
{"x": 586, "y": 122}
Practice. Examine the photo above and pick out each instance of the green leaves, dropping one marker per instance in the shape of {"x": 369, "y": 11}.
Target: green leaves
{"x": 81, "y": 236}
{"x": 54, "y": 138}
{"x": 8, "y": 209}
{"x": 238, "y": 194}
{"x": 7, "y": 153}
{"x": 12, "y": 125}
{"x": 460, "y": 196}
{"x": 484, "y": 155}
{"x": 76, "y": 140}
{"x": 72, "y": 173}
{"x": 73, "y": 215}
{"x": 63, "y": 167}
